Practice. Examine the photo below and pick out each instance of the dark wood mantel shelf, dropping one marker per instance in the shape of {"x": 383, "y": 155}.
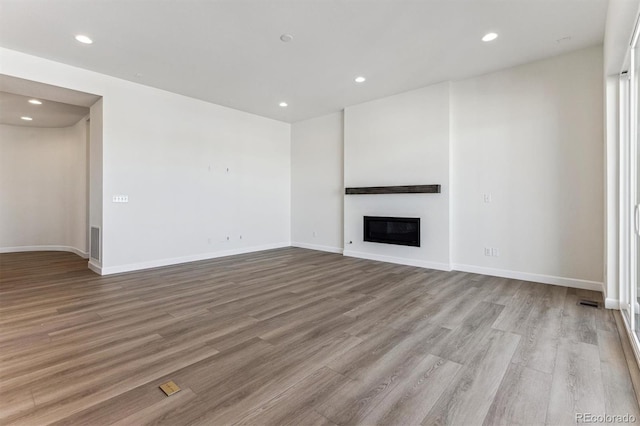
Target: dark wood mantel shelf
{"x": 404, "y": 189}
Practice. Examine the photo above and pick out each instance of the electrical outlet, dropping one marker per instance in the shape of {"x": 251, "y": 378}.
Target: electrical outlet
{"x": 491, "y": 252}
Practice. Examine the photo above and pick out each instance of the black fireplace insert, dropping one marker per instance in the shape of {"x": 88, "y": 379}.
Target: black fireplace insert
{"x": 404, "y": 231}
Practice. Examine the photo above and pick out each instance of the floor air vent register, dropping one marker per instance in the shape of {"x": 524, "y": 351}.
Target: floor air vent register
{"x": 588, "y": 303}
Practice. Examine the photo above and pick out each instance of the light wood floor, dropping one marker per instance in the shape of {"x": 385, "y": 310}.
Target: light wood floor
{"x": 299, "y": 337}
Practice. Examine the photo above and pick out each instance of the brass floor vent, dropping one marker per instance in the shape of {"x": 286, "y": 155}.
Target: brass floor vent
{"x": 169, "y": 388}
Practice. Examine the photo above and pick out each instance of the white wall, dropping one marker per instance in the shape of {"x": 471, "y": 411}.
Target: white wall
{"x": 399, "y": 140}
{"x": 170, "y": 155}
{"x": 78, "y": 203}
{"x": 95, "y": 178}
{"x": 532, "y": 137}
{"x": 317, "y": 187}
{"x": 43, "y": 188}
{"x": 529, "y": 135}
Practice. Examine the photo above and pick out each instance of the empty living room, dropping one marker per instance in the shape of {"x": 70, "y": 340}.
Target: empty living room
{"x": 319, "y": 212}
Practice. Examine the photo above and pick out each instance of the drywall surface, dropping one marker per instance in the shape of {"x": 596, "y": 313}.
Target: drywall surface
{"x": 202, "y": 180}
{"x": 199, "y": 178}
{"x": 532, "y": 138}
{"x": 95, "y": 178}
{"x": 317, "y": 183}
{"x": 43, "y": 188}
{"x": 399, "y": 140}
{"x": 520, "y": 153}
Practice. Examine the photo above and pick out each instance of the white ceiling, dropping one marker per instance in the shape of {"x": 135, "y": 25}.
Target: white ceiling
{"x": 33, "y": 89}
{"x": 60, "y": 107}
{"x": 229, "y": 52}
{"x": 49, "y": 114}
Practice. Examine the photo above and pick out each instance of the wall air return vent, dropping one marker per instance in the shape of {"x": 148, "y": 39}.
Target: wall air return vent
{"x": 94, "y": 243}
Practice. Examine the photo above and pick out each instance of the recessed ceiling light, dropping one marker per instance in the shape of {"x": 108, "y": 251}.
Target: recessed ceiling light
{"x": 35, "y": 102}
{"x": 286, "y": 38}
{"x": 490, "y": 37}
{"x": 360, "y": 79}
{"x": 84, "y": 39}
{"x": 283, "y": 104}
{"x": 27, "y": 118}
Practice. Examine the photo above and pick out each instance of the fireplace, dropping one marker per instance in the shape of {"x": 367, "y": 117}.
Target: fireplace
{"x": 404, "y": 231}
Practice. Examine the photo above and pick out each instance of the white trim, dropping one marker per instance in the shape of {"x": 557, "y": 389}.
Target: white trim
{"x": 610, "y": 303}
{"x": 524, "y": 276}
{"x": 318, "y": 247}
{"x": 527, "y": 276}
{"x": 611, "y": 175}
{"x": 19, "y": 249}
{"x": 624, "y": 105}
{"x": 635, "y": 34}
{"x": 633, "y": 340}
{"x": 185, "y": 259}
{"x": 94, "y": 267}
{"x": 399, "y": 260}
{"x": 633, "y": 179}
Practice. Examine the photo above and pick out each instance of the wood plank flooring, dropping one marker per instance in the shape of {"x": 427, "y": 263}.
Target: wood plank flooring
{"x": 300, "y": 337}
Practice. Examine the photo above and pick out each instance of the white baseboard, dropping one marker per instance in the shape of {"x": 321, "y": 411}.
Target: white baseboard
{"x": 526, "y": 276}
{"x": 610, "y": 303}
{"x": 318, "y": 247}
{"x": 94, "y": 267}
{"x": 19, "y": 249}
{"x": 399, "y": 260}
{"x": 186, "y": 259}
